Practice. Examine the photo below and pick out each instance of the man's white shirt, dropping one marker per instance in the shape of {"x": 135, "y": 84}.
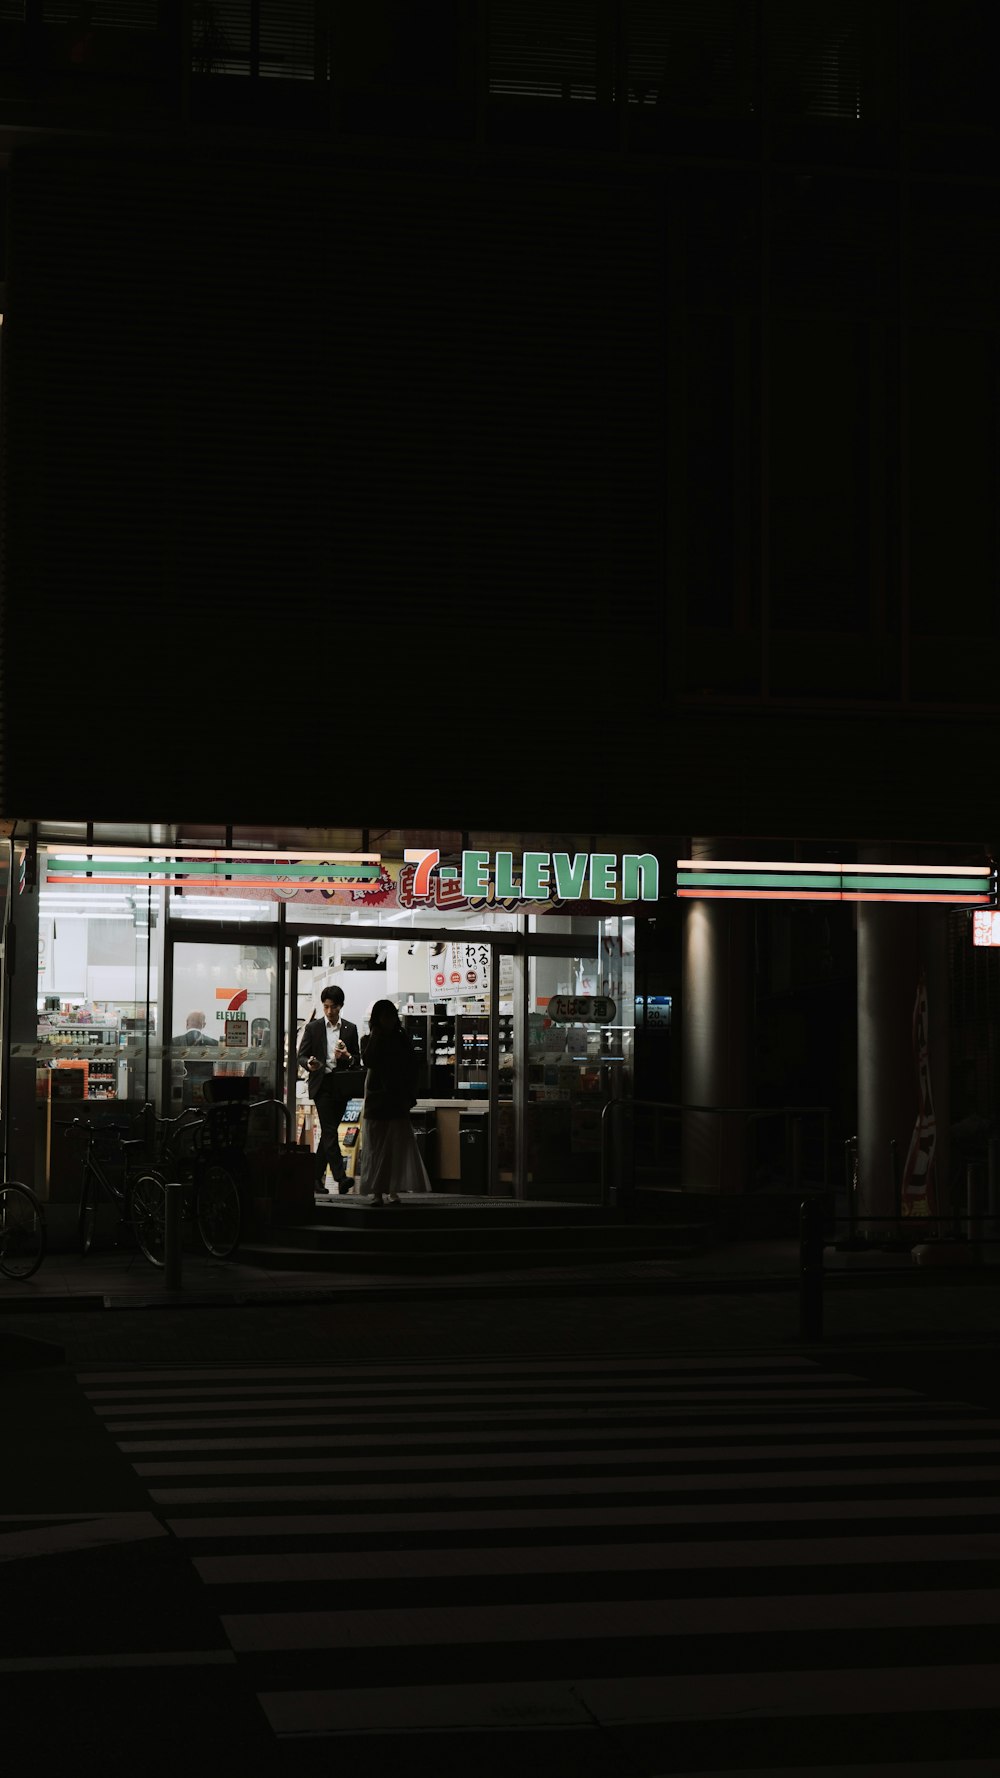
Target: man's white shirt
{"x": 332, "y": 1039}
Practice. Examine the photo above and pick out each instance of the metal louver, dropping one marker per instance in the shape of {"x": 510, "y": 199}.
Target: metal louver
{"x": 814, "y": 58}
{"x": 287, "y": 39}
{"x": 224, "y": 32}
{"x": 685, "y": 53}
{"x": 543, "y": 49}
{"x": 125, "y": 15}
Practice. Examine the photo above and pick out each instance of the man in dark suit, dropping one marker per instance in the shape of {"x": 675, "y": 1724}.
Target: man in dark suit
{"x": 329, "y": 1048}
{"x": 195, "y": 1037}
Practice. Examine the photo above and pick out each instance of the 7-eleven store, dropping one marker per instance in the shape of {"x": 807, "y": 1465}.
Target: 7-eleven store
{"x": 513, "y": 969}
{"x": 519, "y": 973}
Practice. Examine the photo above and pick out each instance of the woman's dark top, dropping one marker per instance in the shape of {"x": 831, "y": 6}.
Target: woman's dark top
{"x": 392, "y": 1074}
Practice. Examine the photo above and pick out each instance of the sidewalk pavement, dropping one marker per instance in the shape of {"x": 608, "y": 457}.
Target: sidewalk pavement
{"x": 113, "y": 1280}
{"x": 744, "y": 1298}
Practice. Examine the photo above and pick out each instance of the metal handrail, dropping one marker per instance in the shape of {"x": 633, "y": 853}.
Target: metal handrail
{"x": 792, "y": 1114}
{"x": 278, "y": 1104}
{"x": 813, "y": 1240}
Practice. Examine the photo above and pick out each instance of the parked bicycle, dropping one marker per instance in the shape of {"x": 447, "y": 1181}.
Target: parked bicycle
{"x": 113, "y": 1170}
{"x": 203, "y": 1152}
{"x": 23, "y": 1231}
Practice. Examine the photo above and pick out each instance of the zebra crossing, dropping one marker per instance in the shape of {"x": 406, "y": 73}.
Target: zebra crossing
{"x": 728, "y": 1563}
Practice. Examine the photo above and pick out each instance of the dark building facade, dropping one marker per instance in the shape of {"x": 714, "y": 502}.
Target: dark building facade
{"x": 594, "y": 400}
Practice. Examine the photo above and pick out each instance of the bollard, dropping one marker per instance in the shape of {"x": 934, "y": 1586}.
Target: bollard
{"x": 851, "y": 1187}
{"x": 795, "y": 1135}
{"x": 811, "y": 1269}
{"x": 173, "y": 1224}
{"x": 973, "y": 1199}
{"x": 897, "y": 1184}
{"x": 992, "y": 1229}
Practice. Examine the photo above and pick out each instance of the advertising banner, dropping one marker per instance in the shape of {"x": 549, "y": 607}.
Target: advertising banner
{"x": 458, "y": 971}
{"x": 919, "y": 1187}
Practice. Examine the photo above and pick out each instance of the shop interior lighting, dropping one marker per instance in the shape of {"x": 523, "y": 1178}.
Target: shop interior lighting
{"x": 957, "y": 885}
{"x": 218, "y": 907}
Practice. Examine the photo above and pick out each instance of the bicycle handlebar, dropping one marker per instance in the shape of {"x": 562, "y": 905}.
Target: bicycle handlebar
{"x": 83, "y": 1126}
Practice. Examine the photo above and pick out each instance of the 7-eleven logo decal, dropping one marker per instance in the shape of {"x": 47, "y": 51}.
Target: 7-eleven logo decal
{"x": 234, "y": 997}
{"x": 425, "y": 861}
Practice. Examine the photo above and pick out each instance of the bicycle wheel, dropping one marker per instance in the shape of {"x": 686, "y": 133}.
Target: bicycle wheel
{"x": 23, "y": 1232}
{"x": 89, "y": 1194}
{"x": 147, "y": 1205}
{"x": 217, "y": 1210}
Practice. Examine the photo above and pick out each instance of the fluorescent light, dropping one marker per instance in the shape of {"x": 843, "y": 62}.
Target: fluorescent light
{"x": 218, "y": 907}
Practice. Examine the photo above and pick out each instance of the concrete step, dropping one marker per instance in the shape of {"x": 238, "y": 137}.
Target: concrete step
{"x": 398, "y": 1228}
{"x": 496, "y": 1256}
{"x": 470, "y": 1212}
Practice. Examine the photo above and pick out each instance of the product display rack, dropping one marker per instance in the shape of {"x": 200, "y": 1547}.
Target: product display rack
{"x": 454, "y": 1051}
{"x": 83, "y": 1035}
{"x": 441, "y": 1042}
{"x": 102, "y": 1080}
{"x": 472, "y": 1053}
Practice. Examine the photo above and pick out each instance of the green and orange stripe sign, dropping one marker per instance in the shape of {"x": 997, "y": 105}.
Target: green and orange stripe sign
{"x": 748, "y": 880}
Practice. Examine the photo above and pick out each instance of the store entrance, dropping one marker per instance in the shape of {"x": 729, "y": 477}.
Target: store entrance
{"x": 521, "y": 1024}
{"x": 521, "y": 1040}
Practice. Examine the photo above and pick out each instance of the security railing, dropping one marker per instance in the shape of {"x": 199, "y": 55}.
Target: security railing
{"x": 965, "y": 1228}
{"x": 618, "y": 1148}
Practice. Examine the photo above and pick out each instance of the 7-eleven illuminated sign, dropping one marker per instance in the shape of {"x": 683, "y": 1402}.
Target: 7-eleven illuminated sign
{"x": 578, "y": 876}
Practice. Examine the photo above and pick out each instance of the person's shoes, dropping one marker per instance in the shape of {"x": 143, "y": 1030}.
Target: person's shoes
{"x": 378, "y": 1201}
{"x": 392, "y": 1198}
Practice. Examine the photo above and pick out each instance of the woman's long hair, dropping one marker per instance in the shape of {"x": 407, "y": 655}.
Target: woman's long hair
{"x": 377, "y": 1036}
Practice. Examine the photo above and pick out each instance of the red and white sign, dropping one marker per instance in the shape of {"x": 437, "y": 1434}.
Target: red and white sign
{"x": 459, "y": 971}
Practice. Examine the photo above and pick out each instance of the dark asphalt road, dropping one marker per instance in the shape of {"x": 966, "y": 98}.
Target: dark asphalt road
{"x": 175, "y": 1695}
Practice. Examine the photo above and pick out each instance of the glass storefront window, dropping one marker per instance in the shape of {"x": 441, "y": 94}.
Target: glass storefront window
{"x": 178, "y": 997}
{"x": 97, "y": 1039}
{"x": 224, "y": 1027}
{"x": 574, "y": 1060}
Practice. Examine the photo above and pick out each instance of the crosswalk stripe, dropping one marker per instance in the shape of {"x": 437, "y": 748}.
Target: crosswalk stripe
{"x": 499, "y": 1417}
{"x": 585, "y": 1619}
{"x": 576, "y": 1459}
{"x": 513, "y": 1512}
{"x": 921, "y": 1768}
{"x": 462, "y": 1387}
{"x": 621, "y": 1484}
{"x": 526, "y": 1435}
{"x": 420, "y": 1521}
{"x": 592, "y": 1558}
{"x": 711, "y": 1697}
{"x": 513, "y": 1367}
{"x": 356, "y": 1398}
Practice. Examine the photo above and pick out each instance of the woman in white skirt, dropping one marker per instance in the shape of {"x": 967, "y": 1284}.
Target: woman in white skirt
{"x": 390, "y": 1159}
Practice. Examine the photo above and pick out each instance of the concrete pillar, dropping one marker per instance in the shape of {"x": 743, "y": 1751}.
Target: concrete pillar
{"x": 896, "y": 945}
{"x": 715, "y": 1000}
